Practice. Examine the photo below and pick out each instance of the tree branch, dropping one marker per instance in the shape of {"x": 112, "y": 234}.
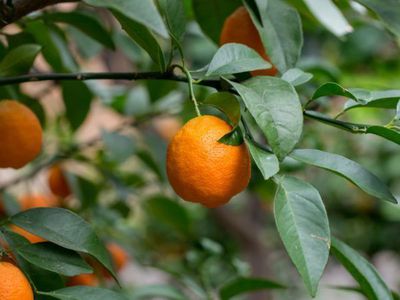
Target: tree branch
{"x": 104, "y": 75}
{"x": 13, "y": 10}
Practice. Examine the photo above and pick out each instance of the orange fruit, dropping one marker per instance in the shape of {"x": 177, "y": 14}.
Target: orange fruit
{"x": 29, "y": 236}
{"x": 118, "y": 254}
{"x": 58, "y": 184}
{"x": 203, "y": 170}
{"x": 83, "y": 279}
{"x": 13, "y": 283}
{"x": 239, "y": 28}
{"x": 33, "y": 201}
{"x": 21, "y": 135}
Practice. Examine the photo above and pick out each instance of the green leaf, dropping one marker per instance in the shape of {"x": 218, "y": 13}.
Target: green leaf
{"x": 84, "y": 190}
{"x": 52, "y": 49}
{"x": 10, "y": 204}
{"x": 233, "y": 138}
{"x": 119, "y": 147}
{"x": 143, "y": 12}
{"x": 276, "y": 107}
{"x": 211, "y": 15}
{"x": 168, "y": 212}
{"x": 281, "y": 36}
{"x": 54, "y": 258}
{"x": 244, "y": 285}
{"x": 85, "y": 293}
{"x": 303, "y": 227}
{"x": 42, "y": 279}
{"x": 362, "y": 271}
{"x": 332, "y": 89}
{"x": 226, "y": 103}
{"x": 387, "y": 133}
{"x": 85, "y": 23}
{"x": 174, "y": 14}
{"x": 143, "y": 37}
{"x": 347, "y": 168}
{"x": 389, "y": 13}
{"x": 378, "y": 99}
{"x": 66, "y": 229}
{"x": 77, "y": 100}
{"x": 296, "y": 76}
{"x": 330, "y": 16}
{"x": 19, "y": 60}
{"x": 157, "y": 291}
{"x": 267, "y": 162}
{"x": 147, "y": 158}
{"x": 236, "y": 58}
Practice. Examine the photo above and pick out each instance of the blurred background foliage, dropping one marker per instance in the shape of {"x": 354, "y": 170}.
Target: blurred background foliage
{"x": 121, "y": 188}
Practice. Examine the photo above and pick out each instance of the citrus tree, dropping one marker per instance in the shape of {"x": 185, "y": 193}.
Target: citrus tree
{"x": 239, "y": 75}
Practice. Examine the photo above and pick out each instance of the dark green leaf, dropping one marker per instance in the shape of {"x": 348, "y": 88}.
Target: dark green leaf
{"x": 85, "y": 293}
{"x": 85, "y": 23}
{"x": 330, "y": 16}
{"x": 233, "y": 138}
{"x": 144, "y": 12}
{"x": 332, "y": 89}
{"x": 362, "y": 271}
{"x": 42, "y": 279}
{"x": 211, "y": 15}
{"x": 303, "y": 227}
{"x": 149, "y": 161}
{"x": 226, "y": 103}
{"x": 143, "y": 37}
{"x": 54, "y": 258}
{"x": 243, "y": 285}
{"x": 119, "y": 147}
{"x": 379, "y": 99}
{"x": 267, "y": 162}
{"x": 157, "y": 291}
{"x": 389, "y": 13}
{"x": 281, "y": 36}
{"x": 347, "y": 168}
{"x": 19, "y": 60}
{"x": 52, "y": 49}
{"x": 77, "y": 100}
{"x": 236, "y": 58}
{"x": 10, "y": 204}
{"x": 168, "y": 212}
{"x": 66, "y": 229}
{"x": 276, "y": 107}
{"x": 296, "y": 76}
{"x": 174, "y": 14}
{"x": 387, "y": 133}
{"x": 86, "y": 191}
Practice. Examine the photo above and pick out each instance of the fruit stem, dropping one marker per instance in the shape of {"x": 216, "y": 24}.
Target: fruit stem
{"x": 191, "y": 90}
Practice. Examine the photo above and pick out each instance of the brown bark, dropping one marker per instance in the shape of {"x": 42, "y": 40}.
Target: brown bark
{"x": 13, "y": 10}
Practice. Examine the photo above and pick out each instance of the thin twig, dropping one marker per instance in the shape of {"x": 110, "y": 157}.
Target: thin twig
{"x": 169, "y": 75}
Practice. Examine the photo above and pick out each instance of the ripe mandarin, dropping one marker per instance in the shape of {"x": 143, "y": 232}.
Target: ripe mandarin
{"x": 203, "y": 170}
{"x": 21, "y": 135}
{"x": 13, "y": 283}
{"x": 58, "y": 184}
{"x": 239, "y": 28}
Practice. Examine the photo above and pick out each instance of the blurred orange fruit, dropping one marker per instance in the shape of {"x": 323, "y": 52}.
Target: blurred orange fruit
{"x": 33, "y": 201}
{"x": 58, "y": 184}
{"x": 26, "y": 234}
{"x": 203, "y": 170}
{"x": 118, "y": 255}
{"x": 13, "y": 283}
{"x": 83, "y": 279}
{"x": 21, "y": 135}
{"x": 239, "y": 28}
